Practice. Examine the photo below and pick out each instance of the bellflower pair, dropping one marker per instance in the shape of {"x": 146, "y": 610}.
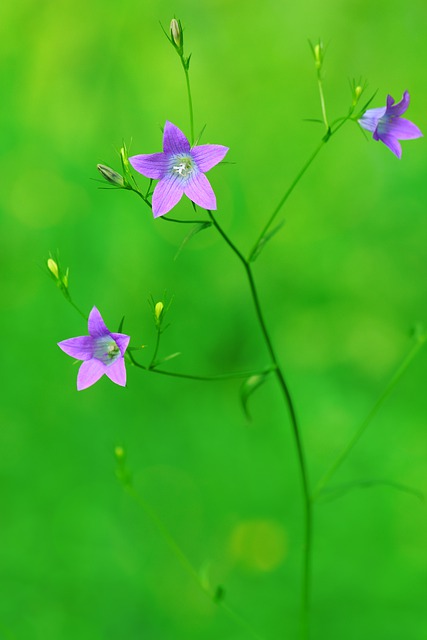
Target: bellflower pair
{"x": 102, "y": 353}
{"x": 180, "y": 170}
{"x": 387, "y": 125}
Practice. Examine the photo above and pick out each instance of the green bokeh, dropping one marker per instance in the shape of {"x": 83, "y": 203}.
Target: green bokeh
{"x": 341, "y": 286}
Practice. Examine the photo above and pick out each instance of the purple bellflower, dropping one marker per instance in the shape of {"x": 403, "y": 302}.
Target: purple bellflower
{"x": 387, "y": 125}
{"x": 180, "y": 169}
{"x": 101, "y": 351}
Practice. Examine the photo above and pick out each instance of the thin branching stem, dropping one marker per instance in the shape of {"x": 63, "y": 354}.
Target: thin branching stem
{"x": 295, "y": 427}
{"x": 330, "y": 132}
{"x": 188, "y": 376}
{"x": 213, "y": 594}
{"x": 324, "y": 481}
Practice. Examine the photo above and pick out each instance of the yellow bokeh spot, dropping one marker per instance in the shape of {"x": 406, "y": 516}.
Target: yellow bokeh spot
{"x": 260, "y": 545}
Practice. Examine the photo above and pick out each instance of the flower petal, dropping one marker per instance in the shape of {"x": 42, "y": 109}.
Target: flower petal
{"x": 403, "y": 129}
{"x": 122, "y": 341}
{"x": 174, "y": 141}
{"x": 79, "y": 348}
{"x": 392, "y": 143}
{"x": 399, "y": 108}
{"x": 207, "y": 156}
{"x": 96, "y": 324}
{"x": 370, "y": 118}
{"x": 89, "y": 373}
{"x": 167, "y": 194}
{"x": 117, "y": 372}
{"x": 152, "y": 165}
{"x": 199, "y": 190}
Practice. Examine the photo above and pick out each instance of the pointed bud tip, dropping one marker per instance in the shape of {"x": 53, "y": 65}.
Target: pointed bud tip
{"x": 158, "y": 310}
{"x": 53, "y": 268}
{"x": 110, "y": 175}
{"x": 175, "y": 29}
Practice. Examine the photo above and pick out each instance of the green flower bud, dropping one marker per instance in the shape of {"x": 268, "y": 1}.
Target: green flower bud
{"x": 53, "y": 268}
{"x": 110, "y": 175}
{"x": 176, "y": 32}
{"x": 158, "y": 310}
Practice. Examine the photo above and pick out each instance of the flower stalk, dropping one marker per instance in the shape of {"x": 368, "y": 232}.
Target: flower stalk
{"x": 215, "y": 594}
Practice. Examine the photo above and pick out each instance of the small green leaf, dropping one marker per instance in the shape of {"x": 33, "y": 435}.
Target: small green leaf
{"x": 261, "y": 244}
{"x": 166, "y": 359}
{"x": 312, "y": 120}
{"x": 247, "y": 389}
{"x": 200, "y": 226}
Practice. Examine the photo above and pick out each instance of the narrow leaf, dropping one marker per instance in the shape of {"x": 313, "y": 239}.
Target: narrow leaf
{"x": 247, "y": 389}
{"x": 200, "y": 226}
{"x": 170, "y": 357}
{"x": 261, "y": 244}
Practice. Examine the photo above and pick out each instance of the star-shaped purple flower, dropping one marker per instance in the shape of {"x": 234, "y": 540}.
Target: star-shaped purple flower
{"x": 387, "y": 125}
{"x": 101, "y": 351}
{"x": 180, "y": 169}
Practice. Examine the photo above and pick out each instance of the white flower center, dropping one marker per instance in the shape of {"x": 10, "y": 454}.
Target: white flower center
{"x": 106, "y": 350}
{"x": 182, "y": 166}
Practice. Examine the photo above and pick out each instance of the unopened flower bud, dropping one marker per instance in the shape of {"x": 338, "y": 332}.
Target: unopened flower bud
{"x": 119, "y": 453}
{"x": 158, "y": 310}
{"x": 318, "y": 55}
{"x": 176, "y": 33}
{"x": 358, "y": 92}
{"x": 53, "y": 268}
{"x": 110, "y": 175}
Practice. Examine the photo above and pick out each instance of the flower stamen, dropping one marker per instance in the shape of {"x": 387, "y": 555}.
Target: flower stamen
{"x": 184, "y": 167}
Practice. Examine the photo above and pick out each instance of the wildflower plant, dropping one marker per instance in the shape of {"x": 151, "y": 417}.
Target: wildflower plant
{"x": 180, "y": 170}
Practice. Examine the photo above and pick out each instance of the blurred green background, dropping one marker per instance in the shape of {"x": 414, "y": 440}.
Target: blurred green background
{"x": 341, "y": 286}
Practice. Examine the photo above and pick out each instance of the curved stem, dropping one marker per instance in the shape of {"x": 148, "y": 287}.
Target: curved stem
{"x": 295, "y": 427}
{"x": 215, "y": 595}
{"x": 362, "y": 428}
{"x": 189, "y": 376}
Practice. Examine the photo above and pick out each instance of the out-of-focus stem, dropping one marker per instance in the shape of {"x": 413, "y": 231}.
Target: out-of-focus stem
{"x": 362, "y": 428}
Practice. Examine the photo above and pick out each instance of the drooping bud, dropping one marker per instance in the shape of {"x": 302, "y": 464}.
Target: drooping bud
{"x": 110, "y": 175}
{"x": 176, "y": 32}
{"x": 53, "y": 268}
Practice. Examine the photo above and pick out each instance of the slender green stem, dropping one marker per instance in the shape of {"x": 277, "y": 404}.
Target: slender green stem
{"x": 77, "y": 308}
{"x": 186, "y": 562}
{"x": 362, "y": 428}
{"x": 190, "y": 99}
{"x": 188, "y": 376}
{"x": 322, "y": 99}
{"x": 69, "y": 299}
{"x": 156, "y": 349}
{"x": 183, "y": 221}
{"x": 295, "y": 427}
{"x": 164, "y": 218}
{"x": 329, "y": 133}
{"x": 285, "y": 197}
